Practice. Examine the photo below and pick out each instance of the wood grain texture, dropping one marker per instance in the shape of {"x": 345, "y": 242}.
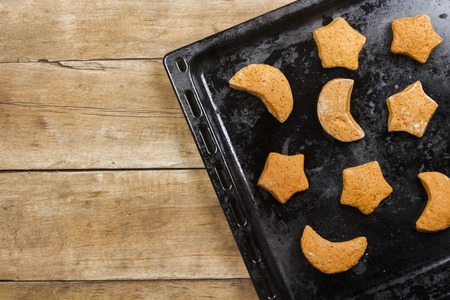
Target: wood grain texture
{"x": 114, "y": 225}
{"x": 80, "y": 30}
{"x": 111, "y": 290}
{"x": 96, "y": 114}
{"x": 82, "y": 87}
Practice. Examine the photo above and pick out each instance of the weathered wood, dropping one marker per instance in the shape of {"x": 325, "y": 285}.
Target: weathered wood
{"x": 73, "y": 29}
{"x": 114, "y": 225}
{"x": 96, "y": 114}
{"x": 179, "y": 289}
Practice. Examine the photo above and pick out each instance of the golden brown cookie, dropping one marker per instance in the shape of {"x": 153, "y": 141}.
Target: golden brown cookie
{"x": 283, "y": 176}
{"x": 436, "y": 215}
{"x": 410, "y": 110}
{"x": 331, "y": 257}
{"x": 269, "y": 84}
{"x": 333, "y": 110}
{"x": 339, "y": 44}
{"x": 364, "y": 187}
{"x": 414, "y": 37}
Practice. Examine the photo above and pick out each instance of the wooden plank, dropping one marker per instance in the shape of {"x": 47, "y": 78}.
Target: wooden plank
{"x": 179, "y": 289}
{"x": 114, "y": 225}
{"x": 73, "y": 29}
{"x": 96, "y": 114}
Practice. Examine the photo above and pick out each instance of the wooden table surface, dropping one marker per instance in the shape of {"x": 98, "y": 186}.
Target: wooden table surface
{"x": 102, "y": 191}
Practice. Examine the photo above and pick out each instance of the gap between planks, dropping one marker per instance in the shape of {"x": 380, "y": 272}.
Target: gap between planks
{"x": 44, "y": 60}
{"x": 141, "y": 289}
{"x": 93, "y": 170}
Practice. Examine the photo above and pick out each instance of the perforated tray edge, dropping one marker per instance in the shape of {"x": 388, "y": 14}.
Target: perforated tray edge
{"x": 177, "y": 65}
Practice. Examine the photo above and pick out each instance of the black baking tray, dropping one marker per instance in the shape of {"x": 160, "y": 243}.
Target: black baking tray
{"x": 234, "y": 133}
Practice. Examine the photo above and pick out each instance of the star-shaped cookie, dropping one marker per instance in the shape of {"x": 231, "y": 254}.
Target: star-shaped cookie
{"x": 410, "y": 110}
{"x": 283, "y": 176}
{"x": 364, "y": 187}
{"x": 414, "y": 37}
{"x": 339, "y": 44}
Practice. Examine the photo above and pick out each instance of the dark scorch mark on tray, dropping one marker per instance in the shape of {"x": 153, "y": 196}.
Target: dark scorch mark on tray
{"x": 369, "y": 7}
{"x": 326, "y": 20}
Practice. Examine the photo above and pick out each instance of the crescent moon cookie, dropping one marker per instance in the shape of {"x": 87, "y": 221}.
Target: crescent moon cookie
{"x": 333, "y": 110}
{"x": 436, "y": 215}
{"x": 331, "y": 257}
{"x": 364, "y": 187}
{"x": 283, "y": 176}
{"x": 269, "y": 84}
{"x": 339, "y": 44}
{"x": 410, "y": 110}
{"x": 414, "y": 37}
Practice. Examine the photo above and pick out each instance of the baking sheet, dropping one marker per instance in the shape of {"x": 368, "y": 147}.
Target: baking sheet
{"x": 235, "y": 133}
